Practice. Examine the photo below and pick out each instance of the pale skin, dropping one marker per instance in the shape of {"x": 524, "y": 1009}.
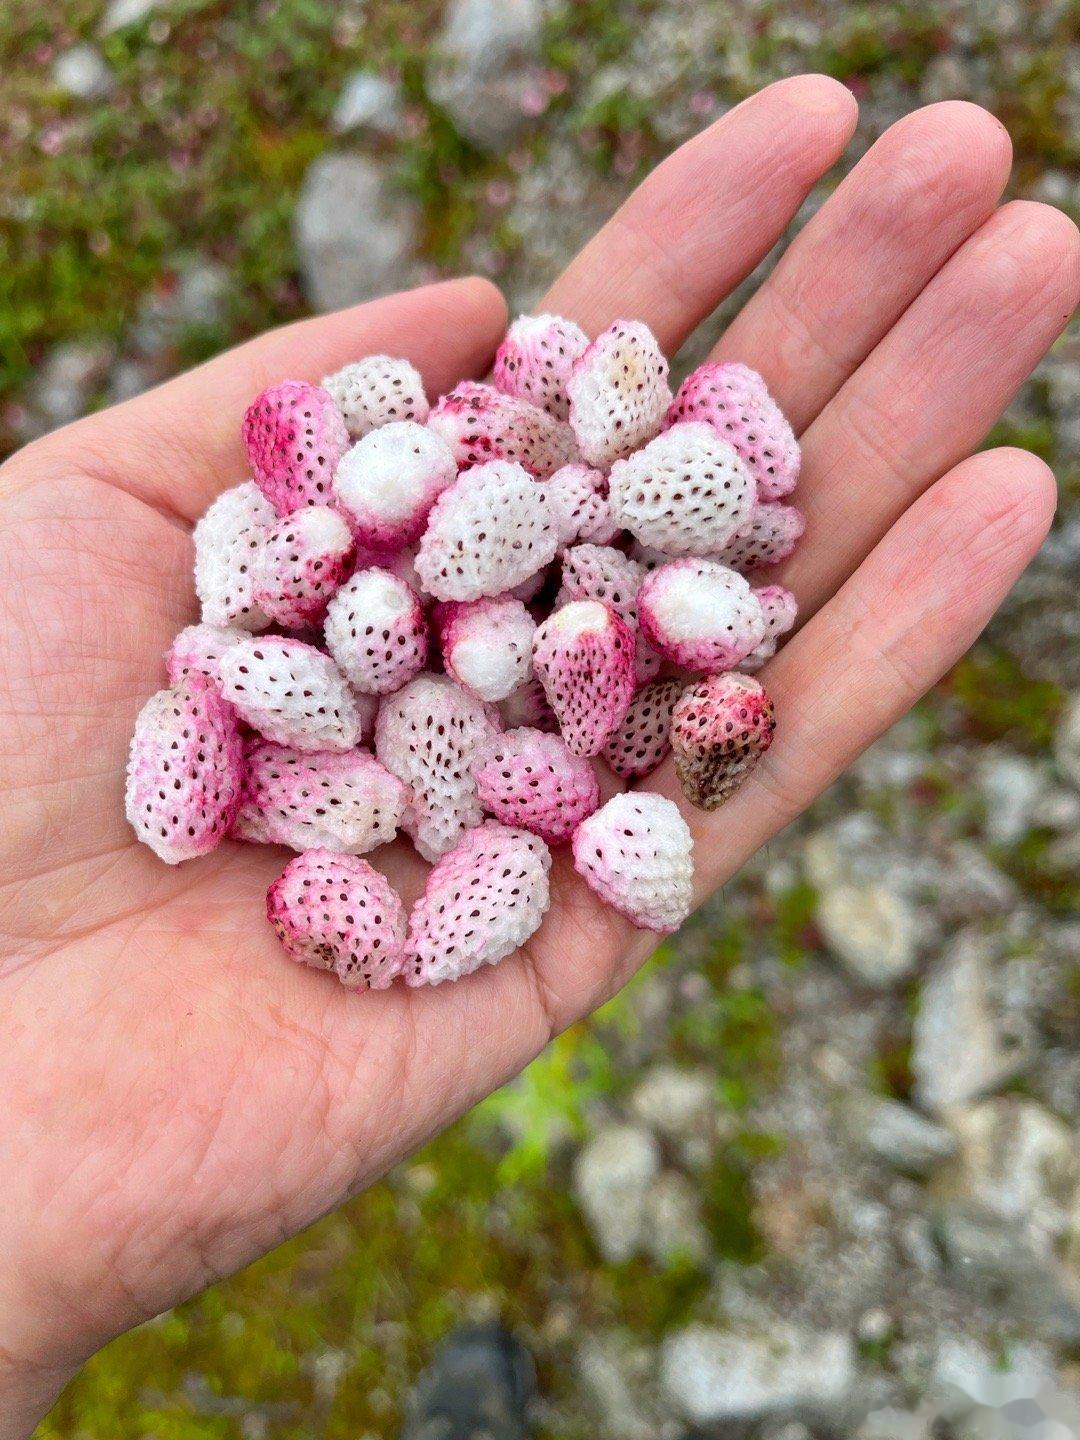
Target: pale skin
{"x": 178, "y": 1097}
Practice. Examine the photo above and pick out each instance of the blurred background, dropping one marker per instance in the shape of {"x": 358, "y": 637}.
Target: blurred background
{"x": 824, "y": 1144}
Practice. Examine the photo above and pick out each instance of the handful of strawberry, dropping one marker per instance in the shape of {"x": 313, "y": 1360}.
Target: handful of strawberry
{"x": 442, "y": 619}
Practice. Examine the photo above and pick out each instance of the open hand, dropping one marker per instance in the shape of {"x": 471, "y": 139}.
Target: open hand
{"x": 178, "y": 1096}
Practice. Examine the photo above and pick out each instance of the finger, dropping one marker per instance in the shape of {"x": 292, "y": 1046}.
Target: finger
{"x": 909, "y": 612}
{"x": 177, "y": 446}
{"x": 917, "y": 194}
{"x": 705, "y": 217}
{"x": 931, "y": 390}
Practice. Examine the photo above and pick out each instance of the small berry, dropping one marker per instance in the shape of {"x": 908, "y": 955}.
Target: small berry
{"x": 636, "y": 852}
{"x": 375, "y": 391}
{"x": 303, "y": 560}
{"x": 720, "y": 729}
{"x": 773, "y": 533}
{"x": 528, "y": 705}
{"x": 642, "y": 741}
{"x": 735, "y": 401}
{"x": 482, "y": 901}
{"x": 583, "y": 655}
{"x": 618, "y": 392}
{"x": 487, "y": 645}
{"x": 294, "y": 436}
{"x": 700, "y": 615}
{"x": 227, "y": 540}
{"x": 600, "y": 572}
{"x": 479, "y": 423}
{"x": 779, "y": 608}
{"x": 185, "y": 771}
{"x": 387, "y": 483}
{"x": 335, "y": 912}
{"x": 535, "y": 359}
{"x": 290, "y": 692}
{"x": 530, "y": 779}
{"x": 198, "y": 649}
{"x": 578, "y": 499}
{"x": 376, "y": 631}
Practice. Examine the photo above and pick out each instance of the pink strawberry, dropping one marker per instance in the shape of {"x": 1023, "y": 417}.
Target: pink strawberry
{"x": 227, "y": 540}
{"x": 700, "y": 615}
{"x": 290, "y": 692}
{"x": 685, "y": 493}
{"x": 618, "y": 392}
{"x": 428, "y": 735}
{"x": 294, "y": 436}
{"x": 535, "y": 359}
{"x": 773, "y": 533}
{"x": 720, "y": 729}
{"x": 779, "y": 608}
{"x": 344, "y": 802}
{"x": 198, "y": 649}
{"x": 377, "y": 390}
{"x": 530, "y": 779}
{"x": 483, "y": 900}
{"x": 479, "y": 423}
{"x": 641, "y": 742}
{"x": 488, "y": 532}
{"x": 335, "y": 912}
{"x": 303, "y": 560}
{"x": 578, "y": 499}
{"x": 528, "y": 705}
{"x": 387, "y": 483}
{"x": 600, "y": 572}
{"x": 637, "y": 853}
{"x": 185, "y": 771}
{"x": 735, "y": 401}
{"x": 376, "y": 631}
{"x": 583, "y": 655}
{"x": 487, "y": 645}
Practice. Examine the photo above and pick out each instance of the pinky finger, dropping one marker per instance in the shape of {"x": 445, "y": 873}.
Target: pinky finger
{"x": 911, "y": 609}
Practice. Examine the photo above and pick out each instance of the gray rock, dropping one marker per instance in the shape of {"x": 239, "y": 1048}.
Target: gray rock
{"x": 119, "y": 13}
{"x": 1011, "y": 788}
{"x": 680, "y": 1105}
{"x": 196, "y": 300}
{"x": 871, "y": 929}
{"x": 65, "y": 383}
{"x": 714, "y": 1376}
{"x": 617, "y": 1376}
{"x": 674, "y": 1230}
{"x": 367, "y": 100}
{"x": 1067, "y": 742}
{"x": 612, "y": 1178}
{"x": 484, "y": 54}
{"x": 354, "y": 234}
{"x": 82, "y": 72}
{"x": 960, "y": 1047}
{"x": 889, "y": 1424}
{"x": 897, "y": 1134}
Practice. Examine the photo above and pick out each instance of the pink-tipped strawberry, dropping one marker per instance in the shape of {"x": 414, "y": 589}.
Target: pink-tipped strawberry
{"x": 637, "y": 853}
{"x": 578, "y": 499}
{"x": 618, "y": 392}
{"x": 700, "y": 615}
{"x": 198, "y": 649}
{"x": 375, "y": 391}
{"x": 489, "y": 531}
{"x": 720, "y": 729}
{"x": 294, "y": 436}
{"x": 528, "y": 705}
{"x": 600, "y": 572}
{"x": 227, "y": 540}
{"x": 735, "y": 401}
{"x": 376, "y": 631}
{"x": 335, "y": 912}
{"x": 685, "y": 493}
{"x": 185, "y": 771}
{"x": 387, "y": 483}
{"x": 583, "y": 656}
{"x": 480, "y": 423}
{"x": 487, "y": 645}
{"x": 535, "y": 359}
{"x": 779, "y": 608}
{"x": 482, "y": 901}
{"x": 348, "y": 802}
{"x": 428, "y": 735}
{"x": 642, "y": 741}
{"x": 772, "y": 535}
{"x": 530, "y": 779}
{"x": 303, "y": 560}
{"x": 290, "y": 692}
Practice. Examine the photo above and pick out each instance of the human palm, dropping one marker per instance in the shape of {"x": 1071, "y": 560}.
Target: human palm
{"x": 179, "y": 1098}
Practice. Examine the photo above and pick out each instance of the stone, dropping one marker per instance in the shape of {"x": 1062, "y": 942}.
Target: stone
{"x": 872, "y": 931}
{"x": 966, "y": 1373}
{"x": 354, "y": 234}
{"x": 715, "y": 1376}
{"x": 960, "y": 1046}
{"x": 674, "y": 1232}
{"x": 484, "y": 55}
{"x": 890, "y": 1424}
{"x": 897, "y": 1134}
{"x": 612, "y": 1178}
{"x": 1067, "y": 742}
{"x": 617, "y": 1377}
{"x": 120, "y": 13}
{"x": 83, "y": 72}
{"x": 1011, "y": 788}
{"x": 367, "y": 101}
{"x": 64, "y": 385}
{"x": 680, "y": 1106}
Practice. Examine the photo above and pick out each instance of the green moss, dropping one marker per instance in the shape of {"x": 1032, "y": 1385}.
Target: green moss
{"x": 999, "y": 702}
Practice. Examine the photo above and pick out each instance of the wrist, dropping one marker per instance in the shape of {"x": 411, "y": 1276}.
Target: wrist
{"x": 27, "y": 1393}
